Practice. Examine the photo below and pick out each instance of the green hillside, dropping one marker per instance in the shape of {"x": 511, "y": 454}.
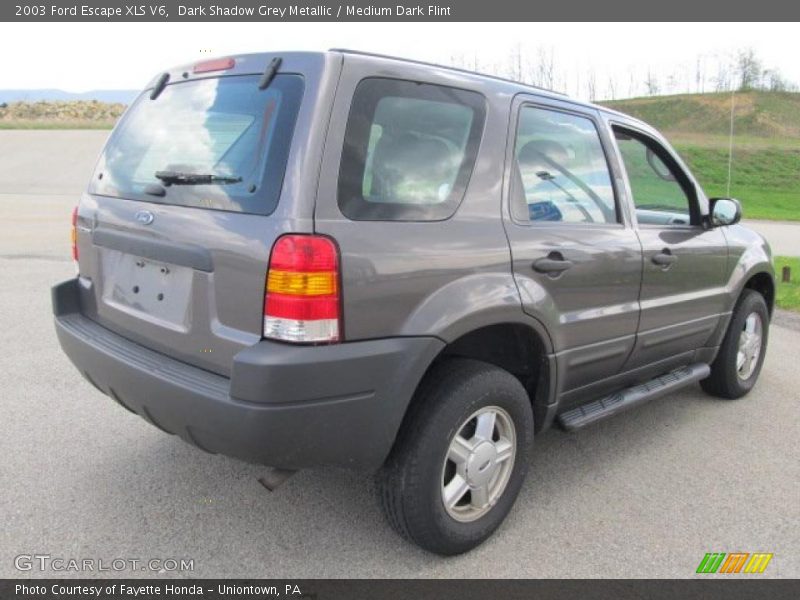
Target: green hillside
{"x": 766, "y": 150}
{"x": 757, "y": 113}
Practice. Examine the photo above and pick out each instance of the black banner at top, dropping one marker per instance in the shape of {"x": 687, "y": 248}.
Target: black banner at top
{"x": 396, "y": 10}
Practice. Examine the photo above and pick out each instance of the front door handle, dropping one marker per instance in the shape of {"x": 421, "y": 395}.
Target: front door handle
{"x": 665, "y": 258}
{"x": 551, "y": 265}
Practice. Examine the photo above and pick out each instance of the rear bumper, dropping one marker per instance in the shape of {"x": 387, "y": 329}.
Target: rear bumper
{"x": 284, "y": 406}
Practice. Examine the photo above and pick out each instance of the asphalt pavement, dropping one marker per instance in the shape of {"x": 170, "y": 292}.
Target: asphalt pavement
{"x": 645, "y": 494}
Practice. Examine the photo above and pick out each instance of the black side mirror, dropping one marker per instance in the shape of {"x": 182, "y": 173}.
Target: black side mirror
{"x": 725, "y": 211}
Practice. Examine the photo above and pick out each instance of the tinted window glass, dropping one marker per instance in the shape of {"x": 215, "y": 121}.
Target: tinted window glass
{"x": 657, "y": 193}
{"x": 224, "y": 126}
{"x": 409, "y": 150}
{"x": 562, "y": 173}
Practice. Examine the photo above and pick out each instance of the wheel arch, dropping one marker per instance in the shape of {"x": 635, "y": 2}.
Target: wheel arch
{"x": 764, "y": 283}
{"x": 517, "y": 346}
{"x": 519, "y": 349}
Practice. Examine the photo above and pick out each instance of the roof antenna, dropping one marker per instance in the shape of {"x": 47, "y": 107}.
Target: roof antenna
{"x": 730, "y": 143}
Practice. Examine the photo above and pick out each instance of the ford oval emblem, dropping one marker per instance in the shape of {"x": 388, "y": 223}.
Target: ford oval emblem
{"x": 145, "y": 217}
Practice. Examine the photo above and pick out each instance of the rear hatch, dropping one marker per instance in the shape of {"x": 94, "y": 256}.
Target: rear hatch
{"x": 175, "y": 232}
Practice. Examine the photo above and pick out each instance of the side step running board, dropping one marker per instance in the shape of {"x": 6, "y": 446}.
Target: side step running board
{"x": 633, "y": 396}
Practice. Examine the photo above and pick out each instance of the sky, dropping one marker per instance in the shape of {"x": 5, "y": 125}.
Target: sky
{"x": 79, "y": 57}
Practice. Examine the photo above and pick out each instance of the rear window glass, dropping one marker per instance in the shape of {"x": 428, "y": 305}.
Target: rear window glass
{"x": 224, "y": 127}
{"x": 409, "y": 150}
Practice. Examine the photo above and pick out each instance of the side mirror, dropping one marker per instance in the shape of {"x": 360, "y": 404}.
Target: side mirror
{"x": 725, "y": 211}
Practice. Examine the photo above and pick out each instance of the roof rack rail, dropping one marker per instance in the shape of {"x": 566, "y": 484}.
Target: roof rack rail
{"x": 449, "y": 68}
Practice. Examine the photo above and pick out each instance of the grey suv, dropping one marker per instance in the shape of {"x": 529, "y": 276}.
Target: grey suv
{"x": 341, "y": 259}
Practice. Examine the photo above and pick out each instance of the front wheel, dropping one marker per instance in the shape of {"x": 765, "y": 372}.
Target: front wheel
{"x": 460, "y": 458}
{"x": 738, "y": 364}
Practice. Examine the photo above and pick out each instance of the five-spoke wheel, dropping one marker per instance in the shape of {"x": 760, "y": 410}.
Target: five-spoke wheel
{"x": 735, "y": 370}
{"x": 478, "y": 463}
{"x": 750, "y": 339}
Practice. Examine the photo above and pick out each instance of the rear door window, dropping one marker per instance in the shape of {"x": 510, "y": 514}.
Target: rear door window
{"x": 409, "y": 150}
{"x": 223, "y": 127}
{"x": 560, "y": 170}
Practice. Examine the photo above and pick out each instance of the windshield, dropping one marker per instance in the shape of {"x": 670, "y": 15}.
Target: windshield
{"x": 212, "y": 143}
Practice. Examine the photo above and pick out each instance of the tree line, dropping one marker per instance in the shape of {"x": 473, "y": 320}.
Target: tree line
{"x": 742, "y": 70}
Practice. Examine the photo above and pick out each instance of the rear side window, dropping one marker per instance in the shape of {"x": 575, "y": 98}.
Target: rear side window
{"x": 561, "y": 173}
{"x": 224, "y": 127}
{"x": 409, "y": 150}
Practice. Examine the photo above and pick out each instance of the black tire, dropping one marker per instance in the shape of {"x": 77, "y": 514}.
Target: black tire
{"x": 410, "y": 483}
{"x": 725, "y": 380}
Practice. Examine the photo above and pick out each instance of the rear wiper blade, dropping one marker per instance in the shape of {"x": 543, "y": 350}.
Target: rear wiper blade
{"x": 180, "y": 178}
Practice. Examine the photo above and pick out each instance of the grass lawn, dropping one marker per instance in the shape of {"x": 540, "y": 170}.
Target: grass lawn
{"x": 759, "y": 203}
{"x": 766, "y": 172}
{"x": 788, "y": 295}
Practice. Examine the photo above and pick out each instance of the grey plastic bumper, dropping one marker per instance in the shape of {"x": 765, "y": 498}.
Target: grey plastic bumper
{"x": 285, "y": 406}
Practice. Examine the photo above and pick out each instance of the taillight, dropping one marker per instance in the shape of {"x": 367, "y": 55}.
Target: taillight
{"x": 74, "y": 234}
{"x": 302, "y": 301}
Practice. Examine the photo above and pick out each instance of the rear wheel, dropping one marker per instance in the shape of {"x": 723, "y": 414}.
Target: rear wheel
{"x": 738, "y": 364}
{"x": 460, "y": 458}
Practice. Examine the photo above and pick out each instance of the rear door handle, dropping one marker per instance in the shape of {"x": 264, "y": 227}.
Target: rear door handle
{"x": 551, "y": 265}
{"x": 665, "y": 258}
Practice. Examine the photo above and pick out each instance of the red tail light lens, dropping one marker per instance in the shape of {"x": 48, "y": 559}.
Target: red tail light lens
{"x": 302, "y": 299}
{"x": 74, "y": 234}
